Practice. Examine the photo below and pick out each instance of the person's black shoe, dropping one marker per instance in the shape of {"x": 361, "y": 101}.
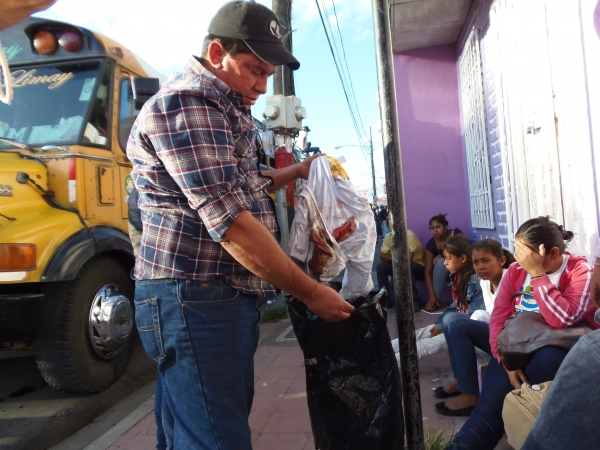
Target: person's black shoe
{"x": 439, "y": 392}
{"x": 442, "y": 409}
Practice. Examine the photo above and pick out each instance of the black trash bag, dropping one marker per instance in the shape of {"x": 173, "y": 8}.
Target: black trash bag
{"x": 352, "y": 378}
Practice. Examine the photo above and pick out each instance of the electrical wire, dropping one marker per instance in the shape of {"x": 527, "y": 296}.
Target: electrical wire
{"x": 337, "y": 22}
{"x": 344, "y": 77}
{"x": 353, "y": 115}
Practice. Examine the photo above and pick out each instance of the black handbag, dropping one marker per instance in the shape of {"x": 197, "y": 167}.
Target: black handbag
{"x": 524, "y": 333}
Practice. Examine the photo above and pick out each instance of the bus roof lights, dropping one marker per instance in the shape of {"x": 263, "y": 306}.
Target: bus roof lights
{"x": 45, "y": 42}
{"x": 70, "y": 39}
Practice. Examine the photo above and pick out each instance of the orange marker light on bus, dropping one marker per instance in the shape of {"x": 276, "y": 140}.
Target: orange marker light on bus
{"x": 15, "y": 257}
{"x": 70, "y": 39}
{"x": 45, "y": 42}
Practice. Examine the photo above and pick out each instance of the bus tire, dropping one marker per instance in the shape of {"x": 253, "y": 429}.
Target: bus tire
{"x": 86, "y": 329}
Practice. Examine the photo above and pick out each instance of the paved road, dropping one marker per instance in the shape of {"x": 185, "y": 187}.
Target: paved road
{"x": 34, "y": 416}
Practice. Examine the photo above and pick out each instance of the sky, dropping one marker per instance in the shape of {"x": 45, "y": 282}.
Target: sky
{"x": 167, "y": 37}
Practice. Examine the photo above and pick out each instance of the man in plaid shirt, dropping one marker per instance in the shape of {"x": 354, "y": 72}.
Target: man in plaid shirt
{"x": 209, "y": 243}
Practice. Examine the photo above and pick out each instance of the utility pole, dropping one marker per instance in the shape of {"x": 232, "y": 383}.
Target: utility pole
{"x": 409, "y": 367}
{"x": 373, "y": 167}
{"x": 283, "y": 84}
{"x": 283, "y": 79}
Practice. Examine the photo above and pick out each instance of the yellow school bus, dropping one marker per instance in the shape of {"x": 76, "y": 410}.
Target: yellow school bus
{"x": 65, "y": 254}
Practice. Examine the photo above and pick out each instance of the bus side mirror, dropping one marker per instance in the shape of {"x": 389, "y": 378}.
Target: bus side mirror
{"x": 143, "y": 89}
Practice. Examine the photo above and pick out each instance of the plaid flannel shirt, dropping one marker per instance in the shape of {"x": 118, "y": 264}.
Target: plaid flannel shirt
{"x": 194, "y": 153}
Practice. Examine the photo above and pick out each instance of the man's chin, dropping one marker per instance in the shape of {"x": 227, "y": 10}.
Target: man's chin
{"x": 250, "y": 101}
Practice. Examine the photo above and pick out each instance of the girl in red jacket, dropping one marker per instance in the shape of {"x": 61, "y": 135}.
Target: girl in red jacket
{"x": 546, "y": 280}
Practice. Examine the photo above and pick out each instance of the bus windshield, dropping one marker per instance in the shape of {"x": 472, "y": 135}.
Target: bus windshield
{"x": 52, "y": 104}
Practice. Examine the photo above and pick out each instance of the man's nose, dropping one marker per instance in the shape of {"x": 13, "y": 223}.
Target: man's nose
{"x": 261, "y": 84}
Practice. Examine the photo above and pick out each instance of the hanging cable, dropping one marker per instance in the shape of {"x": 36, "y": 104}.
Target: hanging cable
{"x": 353, "y": 115}
{"x": 337, "y": 22}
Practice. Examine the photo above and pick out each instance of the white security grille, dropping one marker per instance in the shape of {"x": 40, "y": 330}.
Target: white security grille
{"x": 473, "y": 115}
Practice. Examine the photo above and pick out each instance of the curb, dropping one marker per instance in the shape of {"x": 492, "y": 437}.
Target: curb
{"x": 108, "y": 438}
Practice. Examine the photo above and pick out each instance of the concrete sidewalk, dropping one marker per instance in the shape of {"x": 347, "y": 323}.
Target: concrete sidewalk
{"x": 279, "y": 417}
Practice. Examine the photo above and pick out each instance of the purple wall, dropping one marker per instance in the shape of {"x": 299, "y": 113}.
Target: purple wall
{"x": 433, "y": 161}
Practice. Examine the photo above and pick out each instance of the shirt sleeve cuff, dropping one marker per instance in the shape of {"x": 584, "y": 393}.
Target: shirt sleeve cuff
{"x": 219, "y": 214}
{"x": 540, "y": 281}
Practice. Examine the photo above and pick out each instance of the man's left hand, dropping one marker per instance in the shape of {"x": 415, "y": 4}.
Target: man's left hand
{"x": 304, "y": 166}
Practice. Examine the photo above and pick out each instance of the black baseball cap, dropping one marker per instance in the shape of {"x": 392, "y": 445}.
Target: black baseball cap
{"x": 258, "y": 27}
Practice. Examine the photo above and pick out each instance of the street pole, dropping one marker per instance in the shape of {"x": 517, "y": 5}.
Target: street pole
{"x": 409, "y": 367}
{"x": 373, "y": 167}
{"x": 283, "y": 79}
{"x": 283, "y": 84}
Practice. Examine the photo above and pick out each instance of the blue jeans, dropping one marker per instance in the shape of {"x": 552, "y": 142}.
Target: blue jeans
{"x": 440, "y": 278}
{"x": 384, "y": 228}
{"x": 447, "y": 317}
{"x": 485, "y": 427}
{"x": 164, "y": 421}
{"x": 568, "y": 415}
{"x": 203, "y": 336}
{"x": 464, "y": 334}
{"x": 384, "y": 271}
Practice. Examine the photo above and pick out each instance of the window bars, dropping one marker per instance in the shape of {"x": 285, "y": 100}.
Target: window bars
{"x": 473, "y": 115}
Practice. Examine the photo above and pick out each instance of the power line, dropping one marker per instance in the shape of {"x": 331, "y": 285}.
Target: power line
{"x": 337, "y": 22}
{"x": 345, "y": 76}
{"x": 350, "y": 106}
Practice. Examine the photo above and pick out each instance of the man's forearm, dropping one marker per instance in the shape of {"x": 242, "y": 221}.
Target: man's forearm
{"x": 385, "y": 257}
{"x": 253, "y": 246}
{"x": 281, "y": 177}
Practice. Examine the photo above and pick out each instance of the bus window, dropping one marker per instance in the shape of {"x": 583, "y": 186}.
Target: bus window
{"x": 50, "y": 103}
{"x": 96, "y": 129}
{"x": 126, "y": 117}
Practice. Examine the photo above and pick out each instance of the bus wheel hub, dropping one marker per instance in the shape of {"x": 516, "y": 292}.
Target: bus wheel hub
{"x": 110, "y": 321}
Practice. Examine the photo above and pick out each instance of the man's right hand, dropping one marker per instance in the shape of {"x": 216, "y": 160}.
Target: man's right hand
{"x": 328, "y": 304}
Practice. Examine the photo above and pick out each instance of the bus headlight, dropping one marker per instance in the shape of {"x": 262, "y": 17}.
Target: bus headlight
{"x": 15, "y": 257}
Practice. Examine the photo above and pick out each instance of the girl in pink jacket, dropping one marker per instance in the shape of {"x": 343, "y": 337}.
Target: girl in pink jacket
{"x": 546, "y": 280}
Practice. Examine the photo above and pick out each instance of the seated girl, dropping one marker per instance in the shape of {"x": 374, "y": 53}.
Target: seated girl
{"x": 436, "y": 274}
{"x": 490, "y": 262}
{"x": 546, "y": 280}
{"x": 466, "y": 293}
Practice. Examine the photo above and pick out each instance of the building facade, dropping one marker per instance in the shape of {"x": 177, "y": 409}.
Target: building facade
{"x": 499, "y": 114}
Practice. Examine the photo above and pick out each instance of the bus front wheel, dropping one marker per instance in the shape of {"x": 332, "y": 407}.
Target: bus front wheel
{"x": 86, "y": 329}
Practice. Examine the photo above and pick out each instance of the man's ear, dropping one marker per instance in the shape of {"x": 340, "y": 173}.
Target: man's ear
{"x": 215, "y": 54}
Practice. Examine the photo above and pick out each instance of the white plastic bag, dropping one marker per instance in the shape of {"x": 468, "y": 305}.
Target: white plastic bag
{"x": 329, "y": 210}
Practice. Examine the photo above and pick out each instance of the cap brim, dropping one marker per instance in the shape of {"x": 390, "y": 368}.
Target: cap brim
{"x": 273, "y": 53}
